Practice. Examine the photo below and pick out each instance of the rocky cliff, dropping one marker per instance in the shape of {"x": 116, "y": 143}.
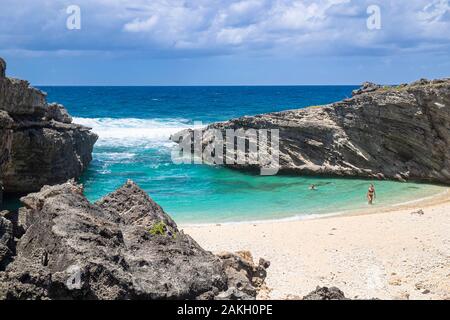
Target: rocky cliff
{"x": 400, "y": 132}
{"x": 39, "y": 144}
{"x": 122, "y": 247}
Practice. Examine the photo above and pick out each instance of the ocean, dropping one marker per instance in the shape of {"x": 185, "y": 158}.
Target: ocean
{"x": 134, "y": 125}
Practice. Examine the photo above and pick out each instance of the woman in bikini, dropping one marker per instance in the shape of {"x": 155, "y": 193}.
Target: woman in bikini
{"x": 371, "y": 195}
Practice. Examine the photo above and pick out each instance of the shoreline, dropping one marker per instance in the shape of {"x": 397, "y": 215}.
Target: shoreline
{"x": 385, "y": 253}
{"x": 443, "y": 196}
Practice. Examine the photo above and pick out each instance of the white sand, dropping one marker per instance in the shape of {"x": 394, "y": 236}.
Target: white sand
{"x": 391, "y": 254}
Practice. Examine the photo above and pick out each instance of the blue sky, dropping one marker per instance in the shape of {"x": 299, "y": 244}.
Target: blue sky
{"x": 228, "y": 42}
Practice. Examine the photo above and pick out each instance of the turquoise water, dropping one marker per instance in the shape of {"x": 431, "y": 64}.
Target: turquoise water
{"x": 134, "y": 124}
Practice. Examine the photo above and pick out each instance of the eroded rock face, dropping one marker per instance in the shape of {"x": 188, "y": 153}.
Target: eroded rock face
{"x": 396, "y": 133}
{"x": 6, "y": 241}
{"x": 45, "y": 153}
{"x": 123, "y": 247}
{"x": 2, "y": 68}
{"x": 18, "y": 98}
{"x": 5, "y": 144}
{"x": 38, "y": 143}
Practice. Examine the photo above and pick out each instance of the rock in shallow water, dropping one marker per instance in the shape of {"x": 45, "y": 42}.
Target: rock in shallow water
{"x": 73, "y": 249}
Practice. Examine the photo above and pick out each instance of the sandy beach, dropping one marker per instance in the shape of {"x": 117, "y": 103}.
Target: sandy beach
{"x": 387, "y": 253}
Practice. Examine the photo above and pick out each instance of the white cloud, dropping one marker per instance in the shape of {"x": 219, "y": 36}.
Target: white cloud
{"x": 191, "y": 27}
{"x": 245, "y": 6}
{"x": 138, "y": 25}
{"x": 235, "y": 36}
{"x": 435, "y": 11}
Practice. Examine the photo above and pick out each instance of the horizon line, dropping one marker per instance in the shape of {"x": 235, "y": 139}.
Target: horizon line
{"x": 199, "y": 85}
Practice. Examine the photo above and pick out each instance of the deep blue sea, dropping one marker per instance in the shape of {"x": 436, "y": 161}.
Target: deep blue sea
{"x": 134, "y": 124}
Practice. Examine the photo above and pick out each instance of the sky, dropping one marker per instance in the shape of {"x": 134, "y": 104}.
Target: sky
{"x": 225, "y": 42}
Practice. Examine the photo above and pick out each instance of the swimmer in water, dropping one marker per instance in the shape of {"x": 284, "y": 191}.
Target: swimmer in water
{"x": 371, "y": 194}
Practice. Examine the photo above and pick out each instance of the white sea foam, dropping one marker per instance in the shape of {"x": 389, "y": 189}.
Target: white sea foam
{"x": 133, "y": 132}
{"x": 115, "y": 156}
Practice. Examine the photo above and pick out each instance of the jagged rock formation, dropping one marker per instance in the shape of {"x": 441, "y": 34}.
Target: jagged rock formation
{"x": 381, "y": 132}
{"x": 122, "y": 247}
{"x": 39, "y": 144}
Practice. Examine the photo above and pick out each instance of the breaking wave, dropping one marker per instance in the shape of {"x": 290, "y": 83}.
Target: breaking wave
{"x": 134, "y": 132}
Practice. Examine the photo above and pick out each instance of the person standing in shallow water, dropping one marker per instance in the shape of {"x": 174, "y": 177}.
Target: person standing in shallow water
{"x": 371, "y": 194}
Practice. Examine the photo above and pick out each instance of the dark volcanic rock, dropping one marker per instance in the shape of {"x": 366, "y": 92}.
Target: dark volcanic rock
{"x": 38, "y": 143}
{"x": 324, "y": 293}
{"x": 398, "y": 133}
{"x": 119, "y": 248}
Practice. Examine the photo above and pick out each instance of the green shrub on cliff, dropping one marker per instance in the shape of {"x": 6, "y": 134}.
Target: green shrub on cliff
{"x": 158, "y": 229}
{"x": 161, "y": 229}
